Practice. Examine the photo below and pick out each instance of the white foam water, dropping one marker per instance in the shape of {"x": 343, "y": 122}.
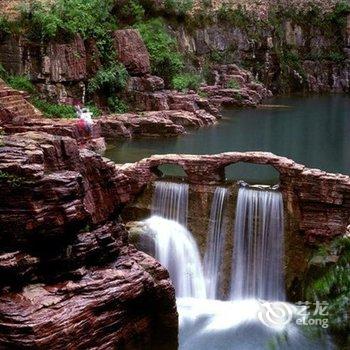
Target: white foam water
{"x": 240, "y": 325}
{"x": 257, "y": 266}
{"x": 176, "y": 249}
{"x": 170, "y": 201}
{"x": 213, "y": 257}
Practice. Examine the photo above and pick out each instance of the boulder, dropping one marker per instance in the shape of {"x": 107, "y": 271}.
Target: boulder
{"x": 148, "y": 83}
{"x": 132, "y": 51}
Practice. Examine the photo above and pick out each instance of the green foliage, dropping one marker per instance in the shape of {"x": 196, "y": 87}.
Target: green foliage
{"x": 132, "y": 12}
{"x": 217, "y": 56}
{"x": 116, "y": 105}
{"x": 275, "y": 22}
{"x": 178, "y": 7}
{"x": 52, "y": 110}
{"x": 203, "y": 94}
{"x": 236, "y": 17}
{"x": 109, "y": 79}
{"x": 84, "y": 17}
{"x": 13, "y": 180}
{"x": 333, "y": 285}
{"x": 22, "y": 83}
{"x": 336, "y": 56}
{"x": 290, "y": 63}
{"x": 186, "y": 81}
{"x": 166, "y": 60}
{"x": 291, "y": 59}
{"x": 5, "y": 25}
{"x": 3, "y": 72}
{"x": 206, "y": 4}
{"x": 338, "y": 16}
{"x": 17, "y": 82}
{"x": 96, "y": 112}
{"x": 233, "y": 84}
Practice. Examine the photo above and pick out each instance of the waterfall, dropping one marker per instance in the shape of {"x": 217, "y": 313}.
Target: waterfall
{"x": 215, "y": 244}
{"x": 170, "y": 201}
{"x": 257, "y": 267}
{"x": 205, "y": 323}
{"x": 174, "y": 246}
{"x": 176, "y": 249}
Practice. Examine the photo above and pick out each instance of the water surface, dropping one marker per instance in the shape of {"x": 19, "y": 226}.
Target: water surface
{"x": 314, "y": 131}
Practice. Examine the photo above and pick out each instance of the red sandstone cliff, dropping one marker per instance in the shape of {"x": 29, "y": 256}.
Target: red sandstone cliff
{"x": 69, "y": 279}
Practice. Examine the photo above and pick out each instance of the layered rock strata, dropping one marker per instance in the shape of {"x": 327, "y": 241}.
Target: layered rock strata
{"x": 68, "y": 276}
{"x": 233, "y": 85}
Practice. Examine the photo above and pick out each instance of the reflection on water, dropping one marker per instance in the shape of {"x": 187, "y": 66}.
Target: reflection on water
{"x": 314, "y": 131}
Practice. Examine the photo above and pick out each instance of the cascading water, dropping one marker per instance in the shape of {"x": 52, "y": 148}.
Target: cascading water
{"x": 175, "y": 247}
{"x": 257, "y": 268}
{"x": 215, "y": 244}
{"x": 170, "y": 201}
{"x": 257, "y": 273}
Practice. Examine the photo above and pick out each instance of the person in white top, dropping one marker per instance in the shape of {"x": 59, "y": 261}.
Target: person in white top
{"x": 85, "y": 116}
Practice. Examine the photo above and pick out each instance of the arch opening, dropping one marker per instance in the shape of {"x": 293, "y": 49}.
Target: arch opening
{"x": 252, "y": 174}
{"x": 169, "y": 170}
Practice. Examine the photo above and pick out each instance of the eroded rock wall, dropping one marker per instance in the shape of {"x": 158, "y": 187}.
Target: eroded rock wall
{"x": 288, "y": 58}
{"x": 286, "y": 54}
{"x": 69, "y": 278}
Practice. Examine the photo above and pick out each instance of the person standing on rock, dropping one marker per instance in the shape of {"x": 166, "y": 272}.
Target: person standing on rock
{"x": 85, "y": 122}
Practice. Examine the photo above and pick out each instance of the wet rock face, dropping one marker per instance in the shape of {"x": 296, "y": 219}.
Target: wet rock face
{"x": 68, "y": 275}
{"x": 322, "y": 61}
{"x": 128, "y": 304}
{"x": 132, "y": 51}
{"x": 59, "y": 70}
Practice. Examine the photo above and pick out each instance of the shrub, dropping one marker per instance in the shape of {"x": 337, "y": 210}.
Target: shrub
{"x": 291, "y": 59}
{"x": 333, "y": 284}
{"x": 3, "y": 72}
{"x": 178, "y": 7}
{"x": 52, "y": 110}
{"x": 237, "y": 17}
{"x": 132, "y": 12}
{"x": 217, "y": 56}
{"x": 336, "y": 56}
{"x": 22, "y": 83}
{"x": 186, "y": 81}
{"x": 109, "y": 79}
{"x": 5, "y": 25}
{"x": 96, "y": 112}
{"x": 67, "y": 17}
{"x": 233, "y": 84}
{"x": 13, "y": 180}
{"x": 206, "y": 3}
{"x": 116, "y": 105}
{"x": 166, "y": 61}
{"x": 338, "y": 16}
